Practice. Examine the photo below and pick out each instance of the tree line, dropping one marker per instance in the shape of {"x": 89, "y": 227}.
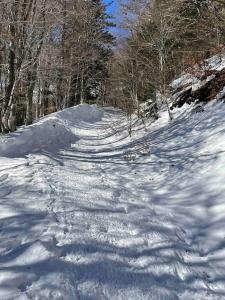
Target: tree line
{"x": 165, "y": 38}
{"x": 53, "y": 54}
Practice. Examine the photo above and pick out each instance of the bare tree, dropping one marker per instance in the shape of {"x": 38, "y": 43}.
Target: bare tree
{"x": 53, "y": 54}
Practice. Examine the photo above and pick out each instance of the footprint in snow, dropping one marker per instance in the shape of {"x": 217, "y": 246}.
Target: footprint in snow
{"x": 117, "y": 194}
{"x": 206, "y": 276}
{"x": 5, "y": 192}
{"x": 4, "y": 177}
{"x": 103, "y": 229}
{"x": 25, "y": 285}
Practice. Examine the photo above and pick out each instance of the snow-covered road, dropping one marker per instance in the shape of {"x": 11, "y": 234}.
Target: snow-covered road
{"x": 101, "y": 215}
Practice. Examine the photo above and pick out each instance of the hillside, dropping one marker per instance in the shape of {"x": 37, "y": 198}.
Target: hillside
{"x": 86, "y": 212}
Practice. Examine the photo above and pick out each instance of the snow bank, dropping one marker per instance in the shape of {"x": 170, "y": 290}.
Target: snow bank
{"x": 204, "y": 84}
{"x": 216, "y": 62}
{"x": 186, "y": 80}
{"x": 51, "y": 133}
{"x": 84, "y": 112}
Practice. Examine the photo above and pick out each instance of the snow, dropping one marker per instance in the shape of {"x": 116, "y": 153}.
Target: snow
{"x": 185, "y": 79}
{"x": 216, "y": 62}
{"x": 194, "y": 81}
{"x": 47, "y": 133}
{"x": 86, "y": 212}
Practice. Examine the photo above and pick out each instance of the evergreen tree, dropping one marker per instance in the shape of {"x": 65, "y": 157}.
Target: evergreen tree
{"x": 101, "y": 48}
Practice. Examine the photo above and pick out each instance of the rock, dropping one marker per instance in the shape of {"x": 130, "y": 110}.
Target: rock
{"x": 211, "y": 84}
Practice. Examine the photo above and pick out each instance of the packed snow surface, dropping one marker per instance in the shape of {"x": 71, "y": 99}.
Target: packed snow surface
{"x": 88, "y": 212}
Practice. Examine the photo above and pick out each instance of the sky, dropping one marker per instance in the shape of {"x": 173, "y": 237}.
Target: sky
{"x": 113, "y": 10}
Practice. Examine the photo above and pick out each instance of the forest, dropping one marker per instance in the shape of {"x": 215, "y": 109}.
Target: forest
{"x": 56, "y": 54}
{"x": 53, "y": 55}
{"x": 112, "y": 150}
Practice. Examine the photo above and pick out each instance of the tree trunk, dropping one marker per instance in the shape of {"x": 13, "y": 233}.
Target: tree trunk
{"x": 29, "y": 108}
{"x": 10, "y": 87}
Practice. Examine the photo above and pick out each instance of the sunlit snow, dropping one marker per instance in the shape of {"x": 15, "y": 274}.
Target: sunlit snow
{"x": 87, "y": 212}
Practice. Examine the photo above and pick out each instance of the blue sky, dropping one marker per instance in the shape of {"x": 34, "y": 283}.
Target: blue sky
{"x": 113, "y": 7}
{"x": 113, "y": 10}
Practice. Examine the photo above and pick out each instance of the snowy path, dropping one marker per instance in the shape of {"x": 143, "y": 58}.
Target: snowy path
{"x": 103, "y": 219}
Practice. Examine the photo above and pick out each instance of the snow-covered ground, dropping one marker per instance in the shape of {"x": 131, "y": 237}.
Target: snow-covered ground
{"x": 86, "y": 212}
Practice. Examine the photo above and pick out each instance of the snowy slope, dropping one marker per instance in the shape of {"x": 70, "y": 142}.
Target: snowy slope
{"x": 88, "y": 213}
{"x": 52, "y": 133}
{"x": 204, "y": 84}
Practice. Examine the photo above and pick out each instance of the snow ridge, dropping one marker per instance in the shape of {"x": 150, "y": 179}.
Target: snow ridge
{"x": 51, "y": 133}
